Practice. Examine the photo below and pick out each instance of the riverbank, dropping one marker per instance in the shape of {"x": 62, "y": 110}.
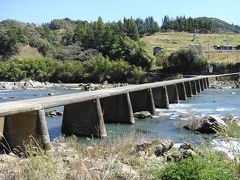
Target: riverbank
{"x": 123, "y": 158}
{"x": 33, "y": 85}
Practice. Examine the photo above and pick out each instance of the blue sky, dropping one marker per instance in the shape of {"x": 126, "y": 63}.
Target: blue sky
{"x": 41, "y": 11}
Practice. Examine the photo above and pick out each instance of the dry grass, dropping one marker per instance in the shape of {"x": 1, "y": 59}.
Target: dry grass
{"x": 72, "y": 160}
{"x": 223, "y": 57}
{"x": 29, "y": 52}
{"x": 171, "y": 41}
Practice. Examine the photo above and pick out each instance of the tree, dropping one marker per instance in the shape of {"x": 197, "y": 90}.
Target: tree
{"x": 8, "y": 43}
{"x": 187, "y": 61}
{"x": 165, "y": 23}
{"x": 151, "y": 25}
{"x": 141, "y": 26}
{"x": 131, "y": 29}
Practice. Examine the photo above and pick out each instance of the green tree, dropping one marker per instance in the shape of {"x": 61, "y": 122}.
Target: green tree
{"x": 187, "y": 61}
{"x": 130, "y": 28}
{"x": 151, "y": 25}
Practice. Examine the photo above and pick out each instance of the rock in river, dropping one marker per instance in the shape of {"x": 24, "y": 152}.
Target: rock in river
{"x": 209, "y": 125}
{"x": 142, "y": 114}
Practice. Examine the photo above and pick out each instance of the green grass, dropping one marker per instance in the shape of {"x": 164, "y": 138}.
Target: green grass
{"x": 210, "y": 167}
{"x": 231, "y": 130}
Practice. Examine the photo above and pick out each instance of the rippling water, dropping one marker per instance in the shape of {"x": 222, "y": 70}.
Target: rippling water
{"x": 210, "y": 102}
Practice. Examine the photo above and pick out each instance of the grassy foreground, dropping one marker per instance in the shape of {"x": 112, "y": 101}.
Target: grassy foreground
{"x": 171, "y": 41}
{"x": 124, "y": 158}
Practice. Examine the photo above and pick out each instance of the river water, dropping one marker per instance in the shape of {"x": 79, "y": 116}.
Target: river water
{"x": 216, "y": 102}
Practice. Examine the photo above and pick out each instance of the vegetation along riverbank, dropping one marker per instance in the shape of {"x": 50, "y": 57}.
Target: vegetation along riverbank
{"x": 123, "y": 158}
{"x": 64, "y": 50}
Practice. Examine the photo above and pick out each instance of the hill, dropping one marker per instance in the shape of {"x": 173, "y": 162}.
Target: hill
{"x": 200, "y": 25}
{"x": 66, "y": 39}
{"x": 172, "y": 41}
{"x": 221, "y": 26}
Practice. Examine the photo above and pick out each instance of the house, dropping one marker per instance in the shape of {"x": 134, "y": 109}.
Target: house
{"x": 157, "y": 50}
{"x": 227, "y": 47}
{"x": 194, "y": 45}
{"x": 237, "y": 47}
{"x": 224, "y": 47}
{"x": 217, "y": 47}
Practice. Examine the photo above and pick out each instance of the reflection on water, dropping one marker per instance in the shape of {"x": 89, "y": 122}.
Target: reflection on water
{"x": 210, "y": 102}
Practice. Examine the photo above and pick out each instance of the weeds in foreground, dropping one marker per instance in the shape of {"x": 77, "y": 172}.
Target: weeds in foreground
{"x": 211, "y": 166}
{"x": 103, "y": 160}
{"x": 231, "y": 130}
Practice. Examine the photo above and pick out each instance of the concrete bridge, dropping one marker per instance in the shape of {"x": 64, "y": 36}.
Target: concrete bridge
{"x": 85, "y": 113}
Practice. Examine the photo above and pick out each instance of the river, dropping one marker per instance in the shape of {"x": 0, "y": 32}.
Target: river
{"x": 216, "y": 102}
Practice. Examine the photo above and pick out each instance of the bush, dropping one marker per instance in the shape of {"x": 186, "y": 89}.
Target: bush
{"x": 187, "y": 61}
{"x": 210, "y": 167}
{"x": 47, "y": 69}
{"x": 134, "y": 52}
{"x": 70, "y": 71}
{"x": 101, "y": 67}
{"x": 221, "y": 68}
{"x": 40, "y": 69}
{"x": 161, "y": 59}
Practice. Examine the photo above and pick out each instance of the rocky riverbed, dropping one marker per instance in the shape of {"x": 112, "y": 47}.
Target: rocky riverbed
{"x": 225, "y": 84}
{"x": 31, "y": 85}
{"x": 23, "y": 85}
{"x": 71, "y": 162}
{"x": 129, "y": 158}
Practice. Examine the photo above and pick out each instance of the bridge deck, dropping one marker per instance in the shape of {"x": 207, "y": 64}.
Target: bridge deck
{"x": 15, "y": 107}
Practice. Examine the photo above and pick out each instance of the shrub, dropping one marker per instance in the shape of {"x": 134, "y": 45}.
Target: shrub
{"x": 136, "y": 53}
{"x": 40, "y": 69}
{"x": 70, "y": 71}
{"x": 101, "y": 67}
{"x": 187, "y": 61}
{"x": 138, "y": 75}
{"x": 212, "y": 166}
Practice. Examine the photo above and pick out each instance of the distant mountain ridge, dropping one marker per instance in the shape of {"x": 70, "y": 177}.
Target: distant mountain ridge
{"x": 221, "y": 26}
{"x": 81, "y": 40}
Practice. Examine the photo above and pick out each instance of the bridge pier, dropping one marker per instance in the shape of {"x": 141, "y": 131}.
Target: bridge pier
{"x": 1, "y": 131}
{"x": 207, "y": 81}
{"x": 160, "y": 96}
{"x": 189, "y": 89}
{"x": 142, "y": 101}
{"x": 117, "y": 109}
{"x": 84, "y": 118}
{"x": 24, "y": 128}
{"x": 201, "y": 84}
{"x": 194, "y": 87}
{"x": 198, "y": 86}
{"x": 173, "y": 93}
{"x": 181, "y": 91}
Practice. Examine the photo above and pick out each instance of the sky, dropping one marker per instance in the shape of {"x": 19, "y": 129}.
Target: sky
{"x": 43, "y": 11}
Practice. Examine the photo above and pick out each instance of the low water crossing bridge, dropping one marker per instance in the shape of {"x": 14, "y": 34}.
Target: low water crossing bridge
{"x": 86, "y": 113}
